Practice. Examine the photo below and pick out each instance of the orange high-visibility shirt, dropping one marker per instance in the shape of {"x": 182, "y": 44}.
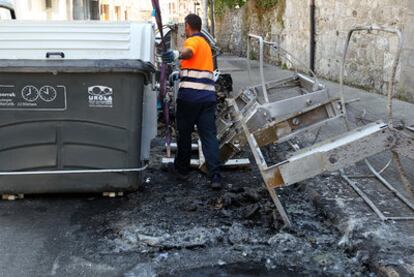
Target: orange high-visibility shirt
{"x": 202, "y": 58}
{"x": 196, "y": 75}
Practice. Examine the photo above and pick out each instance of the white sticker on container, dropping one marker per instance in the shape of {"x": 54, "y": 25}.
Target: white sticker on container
{"x": 100, "y": 96}
{"x": 33, "y": 97}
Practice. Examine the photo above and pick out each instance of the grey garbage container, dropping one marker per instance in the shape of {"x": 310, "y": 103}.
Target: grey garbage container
{"x": 75, "y": 97}
{"x": 65, "y": 124}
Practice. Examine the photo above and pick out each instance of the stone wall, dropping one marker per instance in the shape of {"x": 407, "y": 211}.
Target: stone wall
{"x": 406, "y": 86}
{"x": 370, "y": 56}
{"x": 234, "y": 26}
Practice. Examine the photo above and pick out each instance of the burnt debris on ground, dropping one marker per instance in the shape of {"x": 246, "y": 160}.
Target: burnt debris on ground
{"x": 172, "y": 228}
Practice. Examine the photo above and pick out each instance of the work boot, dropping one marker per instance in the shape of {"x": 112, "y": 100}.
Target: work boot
{"x": 178, "y": 175}
{"x": 215, "y": 182}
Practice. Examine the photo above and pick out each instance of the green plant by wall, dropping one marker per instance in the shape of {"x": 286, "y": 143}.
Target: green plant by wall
{"x": 281, "y": 11}
{"x": 221, "y": 5}
{"x": 266, "y": 4}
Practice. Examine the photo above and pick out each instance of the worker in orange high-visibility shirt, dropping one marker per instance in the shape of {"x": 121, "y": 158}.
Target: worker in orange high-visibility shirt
{"x": 196, "y": 102}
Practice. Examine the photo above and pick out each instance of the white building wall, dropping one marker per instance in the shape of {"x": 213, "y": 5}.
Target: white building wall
{"x": 62, "y": 10}
{"x": 174, "y": 11}
{"x": 36, "y": 10}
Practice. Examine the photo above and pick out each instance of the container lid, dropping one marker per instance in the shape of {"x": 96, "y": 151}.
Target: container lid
{"x": 76, "y": 40}
{"x": 78, "y": 66}
{"x": 8, "y": 4}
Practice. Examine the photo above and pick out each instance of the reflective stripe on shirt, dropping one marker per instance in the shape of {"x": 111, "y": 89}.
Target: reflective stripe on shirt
{"x": 196, "y": 74}
{"x": 198, "y": 80}
{"x": 197, "y": 86}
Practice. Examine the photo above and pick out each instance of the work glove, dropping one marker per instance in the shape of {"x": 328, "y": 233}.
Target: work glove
{"x": 170, "y": 56}
{"x": 175, "y": 76}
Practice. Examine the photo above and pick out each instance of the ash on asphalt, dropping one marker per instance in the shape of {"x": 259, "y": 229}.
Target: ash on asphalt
{"x": 240, "y": 270}
{"x": 175, "y": 229}
{"x": 172, "y": 228}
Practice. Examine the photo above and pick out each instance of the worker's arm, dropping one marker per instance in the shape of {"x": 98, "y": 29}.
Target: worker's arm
{"x": 186, "y": 54}
{"x": 172, "y": 55}
{"x": 189, "y": 49}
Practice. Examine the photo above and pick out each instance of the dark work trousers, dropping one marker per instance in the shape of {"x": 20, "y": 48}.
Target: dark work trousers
{"x": 203, "y": 115}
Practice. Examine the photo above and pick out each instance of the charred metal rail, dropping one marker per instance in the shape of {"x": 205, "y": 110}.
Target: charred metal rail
{"x": 261, "y": 60}
{"x": 392, "y": 80}
{"x": 262, "y": 164}
{"x": 286, "y": 55}
{"x": 331, "y": 155}
{"x": 199, "y": 162}
{"x": 404, "y": 146}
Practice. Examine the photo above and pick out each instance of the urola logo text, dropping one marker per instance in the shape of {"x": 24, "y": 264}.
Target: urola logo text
{"x": 100, "y": 96}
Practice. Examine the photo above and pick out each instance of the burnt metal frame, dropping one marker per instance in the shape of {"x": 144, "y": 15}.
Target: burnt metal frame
{"x": 286, "y": 54}
{"x": 199, "y": 162}
{"x": 340, "y": 152}
{"x": 331, "y": 155}
{"x": 260, "y": 124}
{"x": 403, "y": 143}
{"x": 261, "y": 163}
{"x": 282, "y": 118}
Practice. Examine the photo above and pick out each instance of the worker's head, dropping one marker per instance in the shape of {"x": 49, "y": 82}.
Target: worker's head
{"x": 192, "y": 24}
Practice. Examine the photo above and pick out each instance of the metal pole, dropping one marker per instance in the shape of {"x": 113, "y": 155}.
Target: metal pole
{"x": 312, "y": 36}
{"x": 261, "y": 63}
{"x": 205, "y": 14}
{"x": 389, "y": 186}
{"x": 364, "y": 196}
{"x": 213, "y": 23}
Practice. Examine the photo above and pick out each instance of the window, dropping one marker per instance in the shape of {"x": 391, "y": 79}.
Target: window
{"x": 118, "y": 13}
{"x": 94, "y": 9}
{"x": 105, "y": 12}
{"x": 48, "y": 4}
